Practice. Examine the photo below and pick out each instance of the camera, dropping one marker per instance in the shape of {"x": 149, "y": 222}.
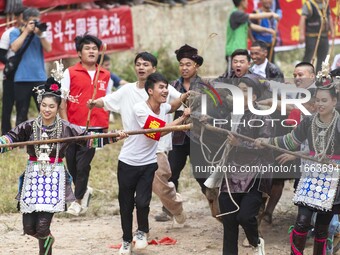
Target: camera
{"x": 42, "y": 26}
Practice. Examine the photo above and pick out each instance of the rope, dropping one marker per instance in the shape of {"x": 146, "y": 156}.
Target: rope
{"x": 220, "y": 162}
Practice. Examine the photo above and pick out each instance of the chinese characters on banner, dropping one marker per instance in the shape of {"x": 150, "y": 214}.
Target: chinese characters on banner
{"x": 113, "y": 27}
{"x": 289, "y": 24}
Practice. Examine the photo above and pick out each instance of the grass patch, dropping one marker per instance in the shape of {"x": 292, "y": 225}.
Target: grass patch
{"x": 167, "y": 65}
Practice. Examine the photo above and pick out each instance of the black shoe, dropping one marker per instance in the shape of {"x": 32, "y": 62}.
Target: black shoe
{"x": 162, "y": 217}
{"x": 165, "y": 215}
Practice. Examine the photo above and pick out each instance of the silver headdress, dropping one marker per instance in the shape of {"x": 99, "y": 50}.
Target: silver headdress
{"x": 58, "y": 72}
{"x": 324, "y": 78}
{"x": 52, "y": 84}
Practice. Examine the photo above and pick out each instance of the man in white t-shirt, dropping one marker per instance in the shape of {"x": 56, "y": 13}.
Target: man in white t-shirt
{"x": 137, "y": 159}
{"x": 118, "y": 101}
{"x": 146, "y": 64}
{"x": 8, "y": 84}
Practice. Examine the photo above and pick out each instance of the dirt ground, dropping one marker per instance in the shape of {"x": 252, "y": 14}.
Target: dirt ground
{"x": 201, "y": 233}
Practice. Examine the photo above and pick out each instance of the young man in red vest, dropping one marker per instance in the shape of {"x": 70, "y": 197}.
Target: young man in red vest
{"x": 79, "y": 81}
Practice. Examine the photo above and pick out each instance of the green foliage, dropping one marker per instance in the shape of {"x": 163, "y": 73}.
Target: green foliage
{"x": 12, "y": 165}
{"x": 125, "y": 71}
{"x": 167, "y": 65}
{"x": 287, "y": 60}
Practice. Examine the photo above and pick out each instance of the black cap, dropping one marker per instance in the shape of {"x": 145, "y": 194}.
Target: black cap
{"x": 186, "y": 51}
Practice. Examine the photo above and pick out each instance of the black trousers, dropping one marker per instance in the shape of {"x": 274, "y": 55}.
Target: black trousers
{"x": 178, "y": 158}
{"x": 135, "y": 188}
{"x": 321, "y": 53}
{"x": 249, "y": 204}
{"x": 78, "y": 159}
{"x": 37, "y": 224}
{"x": 23, "y": 91}
{"x": 7, "y": 105}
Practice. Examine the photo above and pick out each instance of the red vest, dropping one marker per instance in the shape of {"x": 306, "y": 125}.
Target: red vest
{"x": 81, "y": 90}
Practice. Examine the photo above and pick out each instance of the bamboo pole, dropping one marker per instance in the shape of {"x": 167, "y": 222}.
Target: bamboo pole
{"x": 95, "y": 84}
{"x": 273, "y": 42}
{"x": 101, "y": 135}
{"x": 323, "y": 18}
{"x": 48, "y": 9}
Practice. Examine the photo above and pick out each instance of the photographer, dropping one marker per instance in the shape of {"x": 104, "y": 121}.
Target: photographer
{"x": 31, "y": 69}
{"x": 8, "y": 83}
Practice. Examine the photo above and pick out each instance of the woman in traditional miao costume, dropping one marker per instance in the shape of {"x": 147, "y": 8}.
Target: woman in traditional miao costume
{"x": 318, "y": 189}
{"x": 45, "y": 186}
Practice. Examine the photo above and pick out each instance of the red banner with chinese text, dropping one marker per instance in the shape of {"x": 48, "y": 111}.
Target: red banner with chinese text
{"x": 113, "y": 27}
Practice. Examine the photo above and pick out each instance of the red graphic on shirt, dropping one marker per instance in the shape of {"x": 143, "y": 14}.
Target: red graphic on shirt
{"x": 153, "y": 122}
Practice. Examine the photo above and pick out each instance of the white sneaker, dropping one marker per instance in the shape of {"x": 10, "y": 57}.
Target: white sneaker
{"x": 259, "y": 250}
{"x": 74, "y": 208}
{"x": 125, "y": 249}
{"x": 86, "y": 200}
{"x": 141, "y": 240}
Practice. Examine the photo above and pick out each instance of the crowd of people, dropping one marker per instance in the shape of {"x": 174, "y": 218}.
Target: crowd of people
{"x": 262, "y": 24}
{"x": 77, "y": 102}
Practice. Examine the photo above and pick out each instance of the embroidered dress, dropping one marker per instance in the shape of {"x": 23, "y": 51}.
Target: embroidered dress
{"x": 318, "y": 187}
{"x": 43, "y": 188}
{"x": 43, "y": 191}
